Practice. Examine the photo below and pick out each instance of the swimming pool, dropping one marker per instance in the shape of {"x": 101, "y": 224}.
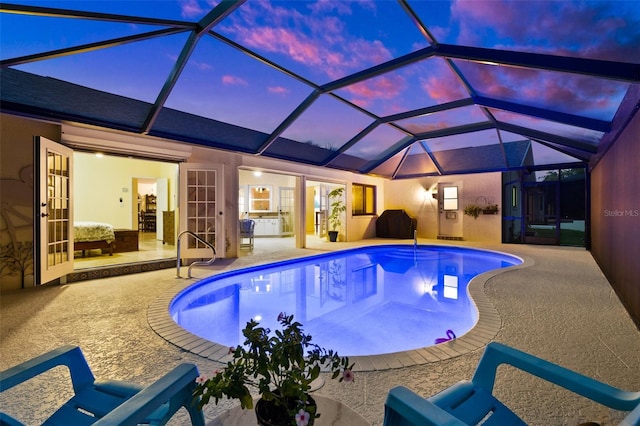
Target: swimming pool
{"x": 364, "y": 301}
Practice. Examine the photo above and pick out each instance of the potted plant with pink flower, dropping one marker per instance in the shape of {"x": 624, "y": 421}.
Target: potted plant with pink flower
{"x": 280, "y": 367}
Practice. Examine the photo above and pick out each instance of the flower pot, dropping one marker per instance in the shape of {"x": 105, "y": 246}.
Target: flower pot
{"x": 333, "y": 236}
{"x": 269, "y": 414}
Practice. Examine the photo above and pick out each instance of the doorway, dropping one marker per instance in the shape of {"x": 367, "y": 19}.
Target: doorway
{"x": 269, "y": 200}
{"x": 450, "y": 217}
{"x": 131, "y": 195}
{"x": 545, "y": 207}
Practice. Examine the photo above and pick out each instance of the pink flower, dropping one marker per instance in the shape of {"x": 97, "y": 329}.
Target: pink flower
{"x": 201, "y": 379}
{"x": 302, "y": 418}
{"x": 232, "y": 350}
{"x": 347, "y": 375}
{"x": 281, "y": 316}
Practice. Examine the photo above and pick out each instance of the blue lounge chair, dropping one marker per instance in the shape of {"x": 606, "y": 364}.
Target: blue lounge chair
{"x": 108, "y": 402}
{"x": 472, "y": 402}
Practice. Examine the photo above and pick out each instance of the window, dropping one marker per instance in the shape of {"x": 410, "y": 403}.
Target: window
{"x": 259, "y": 198}
{"x": 450, "y": 198}
{"x": 364, "y": 199}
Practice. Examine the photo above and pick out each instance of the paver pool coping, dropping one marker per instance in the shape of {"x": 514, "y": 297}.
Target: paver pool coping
{"x": 484, "y": 331}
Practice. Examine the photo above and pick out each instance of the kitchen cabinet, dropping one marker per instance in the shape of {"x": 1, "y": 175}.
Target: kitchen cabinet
{"x": 267, "y": 227}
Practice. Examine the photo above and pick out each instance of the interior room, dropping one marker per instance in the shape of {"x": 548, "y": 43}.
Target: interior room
{"x": 131, "y": 197}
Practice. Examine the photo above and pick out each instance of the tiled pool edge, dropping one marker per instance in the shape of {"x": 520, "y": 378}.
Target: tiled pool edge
{"x": 486, "y": 328}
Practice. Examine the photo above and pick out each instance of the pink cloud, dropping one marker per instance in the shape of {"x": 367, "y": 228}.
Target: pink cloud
{"x": 385, "y": 87}
{"x": 441, "y": 84}
{"x": 340, "y": 7}
{"x": 281, "y": 40}
{"x": 230, "y": 80}
{"x": 555, "y": 91}
{"x": 331, "y": 6}
{"x": 202, "y": 66}
{"x": 440, "y": 33}
{"x": 602, "y": 30}
{"x": 190, "y": 9}
{"x": 317, "y": 40}
{"x": 278, "y": 90}
{"x": 417, "y": 128}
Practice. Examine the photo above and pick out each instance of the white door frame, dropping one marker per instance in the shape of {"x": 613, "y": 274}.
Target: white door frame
{"x": 54, "y": 232}
{"x": 193, "y": 215}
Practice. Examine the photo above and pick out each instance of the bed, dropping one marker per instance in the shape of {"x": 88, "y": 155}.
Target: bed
{"x": 93, "y": 235}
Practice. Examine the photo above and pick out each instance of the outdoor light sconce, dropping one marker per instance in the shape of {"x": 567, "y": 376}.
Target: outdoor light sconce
{"x": 431, "y": 193}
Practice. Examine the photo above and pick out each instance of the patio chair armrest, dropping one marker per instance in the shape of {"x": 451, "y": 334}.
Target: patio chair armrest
{"x": 496, "y": 354}
{"x": 160, "y": 400}
{"x": 404, "y": 407}
{"x": 633, "y": 418}
{"x": 7, "y": 420}
{"x": 69, "y": 356}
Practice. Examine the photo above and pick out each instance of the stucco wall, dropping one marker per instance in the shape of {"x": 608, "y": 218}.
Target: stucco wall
{"x": 414, "y": 196}
{"x": 615, "y": 216}
{"x": 16, "y": 196}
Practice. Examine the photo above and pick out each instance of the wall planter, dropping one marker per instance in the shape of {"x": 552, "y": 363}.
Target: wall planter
{"x": 490, "y": 209}
{"x": 475, "y": 210}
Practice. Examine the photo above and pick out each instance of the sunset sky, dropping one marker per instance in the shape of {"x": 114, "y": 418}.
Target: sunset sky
{"x": 322, "y": 41}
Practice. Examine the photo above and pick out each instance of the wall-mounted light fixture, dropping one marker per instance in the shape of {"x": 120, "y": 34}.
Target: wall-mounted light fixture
{"x": 257, "y": 173}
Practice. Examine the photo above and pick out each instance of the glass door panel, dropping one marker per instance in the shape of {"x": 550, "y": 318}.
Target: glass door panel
{"x": 200, "y": 209}
{"x": 56, "y": 216}
{"x": 540, "y": 204}
{"x": 286, "y": 210}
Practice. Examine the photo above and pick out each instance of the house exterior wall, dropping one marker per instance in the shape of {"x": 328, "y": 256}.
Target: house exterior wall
{"x": 17, "y": 203}
{"x": 615, "y": 216}
{"x": 414, "y": 196}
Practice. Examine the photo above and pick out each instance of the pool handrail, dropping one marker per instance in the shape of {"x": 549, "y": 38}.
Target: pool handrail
{"x": 196, "y": 263}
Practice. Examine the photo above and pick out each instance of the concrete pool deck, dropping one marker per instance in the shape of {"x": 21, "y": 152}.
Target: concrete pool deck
{"x": 559, "y": 307}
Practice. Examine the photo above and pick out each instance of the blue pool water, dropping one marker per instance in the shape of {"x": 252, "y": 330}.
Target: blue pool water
{"x": 364, "y": 301}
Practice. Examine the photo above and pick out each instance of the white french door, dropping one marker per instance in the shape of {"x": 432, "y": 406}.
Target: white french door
{"x": 286, "y": 209}
{"x": 55, "y": 195}
{"x": 201, "y": 209}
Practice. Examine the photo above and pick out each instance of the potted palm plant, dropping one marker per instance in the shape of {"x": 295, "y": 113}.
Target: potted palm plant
{"x": 337, "y": 209}
{"x": 280, "y": 367}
